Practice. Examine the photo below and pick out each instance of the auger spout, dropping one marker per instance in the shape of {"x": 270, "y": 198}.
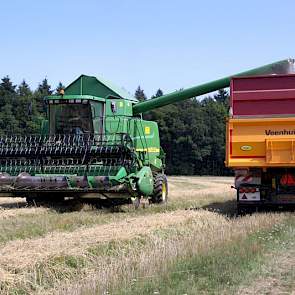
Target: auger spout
{"x": 281, "y": 67}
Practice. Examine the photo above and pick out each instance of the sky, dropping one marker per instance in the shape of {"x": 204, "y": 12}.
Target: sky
{"x": 155, "y": 44}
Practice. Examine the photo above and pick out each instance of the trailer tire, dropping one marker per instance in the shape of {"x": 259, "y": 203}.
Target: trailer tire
{"x": 160, "y": 194}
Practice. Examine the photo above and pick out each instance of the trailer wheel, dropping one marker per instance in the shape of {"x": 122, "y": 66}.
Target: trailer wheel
{"x": 160, "y": 194}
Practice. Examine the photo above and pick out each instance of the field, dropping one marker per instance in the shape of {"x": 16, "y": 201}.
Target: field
{"x": 193, "y": 245}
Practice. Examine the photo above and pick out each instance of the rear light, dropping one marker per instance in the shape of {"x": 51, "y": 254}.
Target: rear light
{"x": 248, "y": 190}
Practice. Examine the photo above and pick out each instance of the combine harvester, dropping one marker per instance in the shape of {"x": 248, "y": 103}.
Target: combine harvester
{"x": 96, "y": 148}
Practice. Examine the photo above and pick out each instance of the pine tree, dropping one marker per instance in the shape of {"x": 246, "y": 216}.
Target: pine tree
{"x": 24, "y": 89}
{"x": 8, "y": 123}
{"x": 44, "y": 89}
{"x": 139, "y": 94}
{"x": 221, "y": 96}
{"x": 158, "y": 93}
{"x": 7, "y": 87}
{"x": 7, "y": 92}
{"x": 59, "y": 87}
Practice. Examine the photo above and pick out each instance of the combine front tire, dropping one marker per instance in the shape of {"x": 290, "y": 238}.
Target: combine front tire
{"x": 160, "y": 194}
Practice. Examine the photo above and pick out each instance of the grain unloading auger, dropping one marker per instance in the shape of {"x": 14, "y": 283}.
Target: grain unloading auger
{"x": 96, "y": 146}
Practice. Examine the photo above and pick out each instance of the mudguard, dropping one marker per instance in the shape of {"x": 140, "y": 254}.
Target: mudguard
{"x": 145, "y": 181}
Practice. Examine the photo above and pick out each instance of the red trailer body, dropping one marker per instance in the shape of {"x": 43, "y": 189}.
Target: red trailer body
{"x": 265, "y": 96}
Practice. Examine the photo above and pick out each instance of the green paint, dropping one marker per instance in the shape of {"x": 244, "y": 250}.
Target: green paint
{"x": 145, "y": 181}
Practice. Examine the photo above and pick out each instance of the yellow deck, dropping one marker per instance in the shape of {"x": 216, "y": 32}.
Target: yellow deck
{"x": 260, "y": 142}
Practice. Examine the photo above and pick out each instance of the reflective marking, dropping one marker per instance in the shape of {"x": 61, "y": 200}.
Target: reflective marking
{"x": 246, "y": 148}
{"x": 150, "y": 150}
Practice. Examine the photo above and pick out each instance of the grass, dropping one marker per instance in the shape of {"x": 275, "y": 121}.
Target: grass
{"x": 94, "y": 252}
{"x": 41, "y": 221}
{"x": 221, "y": 270}
{"x": 108, "y": 265}
{"x": 36, "y": 225}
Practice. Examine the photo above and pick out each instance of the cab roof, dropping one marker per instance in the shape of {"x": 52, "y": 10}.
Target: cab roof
{"x": 98, "y": 87}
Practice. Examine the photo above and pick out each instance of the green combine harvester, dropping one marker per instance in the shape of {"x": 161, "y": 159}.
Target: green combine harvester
{"x": 95, "y": 147}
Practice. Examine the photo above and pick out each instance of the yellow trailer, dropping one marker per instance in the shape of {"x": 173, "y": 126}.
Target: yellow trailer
{"x": 260, "y": 140}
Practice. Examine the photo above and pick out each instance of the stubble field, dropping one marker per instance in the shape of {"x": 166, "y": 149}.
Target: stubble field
{"x": 193, "y": 245}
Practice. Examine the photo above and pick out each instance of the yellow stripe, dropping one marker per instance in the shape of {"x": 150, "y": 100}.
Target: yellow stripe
{"x": 149, "y": 150}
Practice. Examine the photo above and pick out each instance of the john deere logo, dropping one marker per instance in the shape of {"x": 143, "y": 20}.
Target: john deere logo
{"x": 246, "y": 148}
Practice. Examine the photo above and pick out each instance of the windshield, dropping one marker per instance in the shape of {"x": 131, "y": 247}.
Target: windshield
{"x": 70, "y": 119}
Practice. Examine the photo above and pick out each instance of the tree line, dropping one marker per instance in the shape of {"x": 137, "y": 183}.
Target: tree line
{"x": 192, "y": 132}
{"x": 21, "y": 108}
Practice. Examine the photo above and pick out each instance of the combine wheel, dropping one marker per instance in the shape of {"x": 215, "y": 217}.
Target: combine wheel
{"x": 160, "y": 194}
